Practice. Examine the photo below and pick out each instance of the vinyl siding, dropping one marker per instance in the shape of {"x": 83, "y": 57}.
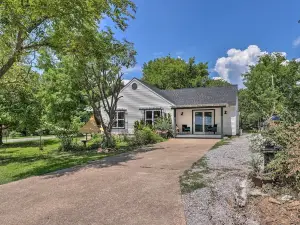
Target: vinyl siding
{"x": 133, "y": 100}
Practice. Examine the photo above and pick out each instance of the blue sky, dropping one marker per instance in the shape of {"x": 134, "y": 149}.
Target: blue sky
{"x": 229, "y": 35}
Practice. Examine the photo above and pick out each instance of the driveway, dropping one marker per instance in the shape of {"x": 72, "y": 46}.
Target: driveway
{"x": 136, "y": 188}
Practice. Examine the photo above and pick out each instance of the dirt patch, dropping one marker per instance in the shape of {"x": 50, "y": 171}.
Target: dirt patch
{"x": 272, "y": 211}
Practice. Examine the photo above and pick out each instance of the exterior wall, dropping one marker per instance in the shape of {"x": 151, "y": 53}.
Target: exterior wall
{"x": 229, "y": 119}
{"x": 133, "y": 100}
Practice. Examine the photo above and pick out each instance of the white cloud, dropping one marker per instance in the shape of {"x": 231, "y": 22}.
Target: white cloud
{"x": 237, "y": 62}
{"x": 135, "y": 69}
{"x": 125, "y": 81}
{"x": 296, "y": 42}
{"x": 217, "y": 78}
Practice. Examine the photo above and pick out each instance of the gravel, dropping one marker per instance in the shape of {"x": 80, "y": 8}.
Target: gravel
{"x": 226, "y": 174}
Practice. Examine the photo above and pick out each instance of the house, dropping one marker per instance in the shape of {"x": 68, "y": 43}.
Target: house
{"x": 196, "y": 112}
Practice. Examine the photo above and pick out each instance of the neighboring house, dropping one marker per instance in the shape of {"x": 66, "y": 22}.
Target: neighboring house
{"x": 196, "y": 112}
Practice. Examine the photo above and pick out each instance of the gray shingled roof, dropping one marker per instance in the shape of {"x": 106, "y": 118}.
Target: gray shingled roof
{"x": 198, "y": 96}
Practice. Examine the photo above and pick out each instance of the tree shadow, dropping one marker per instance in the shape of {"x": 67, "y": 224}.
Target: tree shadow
{"x": 25, "y": 144}
{"x": 116, "y": 160}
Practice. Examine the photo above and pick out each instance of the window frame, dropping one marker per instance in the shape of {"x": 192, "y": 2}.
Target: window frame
{"x": 153, "y": 118}
{"x": 116, "y": 120}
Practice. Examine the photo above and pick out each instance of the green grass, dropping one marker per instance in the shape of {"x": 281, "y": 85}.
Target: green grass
{"x": 193, "y": 178}
{"x": 24, "y": 159}
{"x": 222, "y": 142}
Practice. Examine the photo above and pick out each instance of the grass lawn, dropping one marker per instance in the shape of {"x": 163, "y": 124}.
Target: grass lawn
{"x": 21, "y": 160}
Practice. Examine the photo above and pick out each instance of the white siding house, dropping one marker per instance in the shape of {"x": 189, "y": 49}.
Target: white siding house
{"x": 135, "y": 103}
{"x": 196, "y": 112}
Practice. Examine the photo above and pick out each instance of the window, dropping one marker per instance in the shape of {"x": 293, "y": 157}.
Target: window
{"x": 151, "y": 116}
{"x": 119, "y": 120}
{"x": 134, "y": 86}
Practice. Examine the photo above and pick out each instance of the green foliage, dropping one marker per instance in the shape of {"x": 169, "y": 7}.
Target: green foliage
{"x": 163, "y": 126}
{"x": 217, "y": 83}
{"x": 146, "y": 136}
{"x": 14, "y": 134}
{"x": 271, "y": 87}
{"x": 139, "y": 125}
{"x": 193, "y": 179}
{"x": 285, "y": 168}
{"x": 20, "y": 105}
{"x": 65, "y": 27}
{"x": 172, "y": 73}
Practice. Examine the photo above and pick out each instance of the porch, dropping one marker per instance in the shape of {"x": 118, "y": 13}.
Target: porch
{"x": 199, "y": 122}
{"x": 206, "y": 136}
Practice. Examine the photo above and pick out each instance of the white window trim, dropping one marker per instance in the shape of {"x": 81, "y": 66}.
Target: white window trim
{"x": 117, "y": 119}
{"x": 152, "y": 110}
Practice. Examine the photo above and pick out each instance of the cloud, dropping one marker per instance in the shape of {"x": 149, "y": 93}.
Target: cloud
{"x": 125, "y": 81}
{"x": 296, "y": 42}
{"x": 237, "y": 62}
{"x": 217, "y": 78}
{"x": 135, "y": 69}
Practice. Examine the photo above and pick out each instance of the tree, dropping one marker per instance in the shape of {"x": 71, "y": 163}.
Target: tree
{"x": 62, "y": 101}
{"x": 63, "y": 26}
{"x": 217, "y": 83}
{"x": 172, "y": 73}
{"x": 271, "y": 87}
{"x": 100, "y": 78}
{"x": 20, "y": 106}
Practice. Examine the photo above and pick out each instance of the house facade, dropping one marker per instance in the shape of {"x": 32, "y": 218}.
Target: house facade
{"x": 196, "y": 112}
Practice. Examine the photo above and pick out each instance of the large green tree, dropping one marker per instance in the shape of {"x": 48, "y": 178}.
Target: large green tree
{"x": 271, "y": 87}
{"x": 63, "y": 26}
{"x": 99, "y": 77}
{"x": 172, "y": 73}
{"x": 20, "y": 105}
{"x": 175, "y": 73}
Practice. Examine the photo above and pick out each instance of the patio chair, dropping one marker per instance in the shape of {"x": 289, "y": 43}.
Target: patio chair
{"x": 213, "y": 128}
{"x": 185, "y": 128}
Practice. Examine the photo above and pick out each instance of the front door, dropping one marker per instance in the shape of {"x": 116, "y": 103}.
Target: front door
{"x": 202, "y": 120}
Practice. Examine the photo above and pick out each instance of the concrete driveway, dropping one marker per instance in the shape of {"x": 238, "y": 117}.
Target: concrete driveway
{"x": 136, "y": 188}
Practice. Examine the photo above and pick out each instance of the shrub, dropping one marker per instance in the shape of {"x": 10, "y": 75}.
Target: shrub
{"x": 163, "y": 126}
{"x": 139, "y": 125}
{"x": 285, "y": 167}
{"x": 14, "y": 134}
{"x": 146, "y": 136}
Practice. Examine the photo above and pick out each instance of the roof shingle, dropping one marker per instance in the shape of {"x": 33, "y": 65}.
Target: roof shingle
{"x": 198, "y": 96}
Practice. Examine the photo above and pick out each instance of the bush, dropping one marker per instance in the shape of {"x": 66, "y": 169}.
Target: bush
{"x": 285, "y": 167}
{"x": 140, "y": 125}
{"x": 14, "y": 134}
{"x": 163, "y": 126}
{"x": 146, "y": 136}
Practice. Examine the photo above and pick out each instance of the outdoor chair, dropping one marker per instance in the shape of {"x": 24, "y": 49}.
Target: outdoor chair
{"x": 213, "y": 128}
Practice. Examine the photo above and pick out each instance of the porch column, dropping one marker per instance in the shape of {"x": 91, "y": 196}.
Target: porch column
{"x": 174, "y": 122}
{"x": 222, "y": 123}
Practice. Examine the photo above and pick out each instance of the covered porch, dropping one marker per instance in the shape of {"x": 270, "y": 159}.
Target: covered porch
{"x": 201, "y": 121}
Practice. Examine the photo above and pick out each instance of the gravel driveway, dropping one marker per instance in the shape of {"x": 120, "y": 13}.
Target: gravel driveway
{"x": 226, "y": 173}
{"x": 136, "y": 188}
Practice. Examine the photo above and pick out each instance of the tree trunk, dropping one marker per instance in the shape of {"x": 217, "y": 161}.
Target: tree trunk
{"x": 1, "y": 135}
{"x": 108, "y": 140}
{"x": 7, "y": 66}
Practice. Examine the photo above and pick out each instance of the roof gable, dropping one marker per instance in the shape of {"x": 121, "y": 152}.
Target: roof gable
{"x": 151, "y": 88}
